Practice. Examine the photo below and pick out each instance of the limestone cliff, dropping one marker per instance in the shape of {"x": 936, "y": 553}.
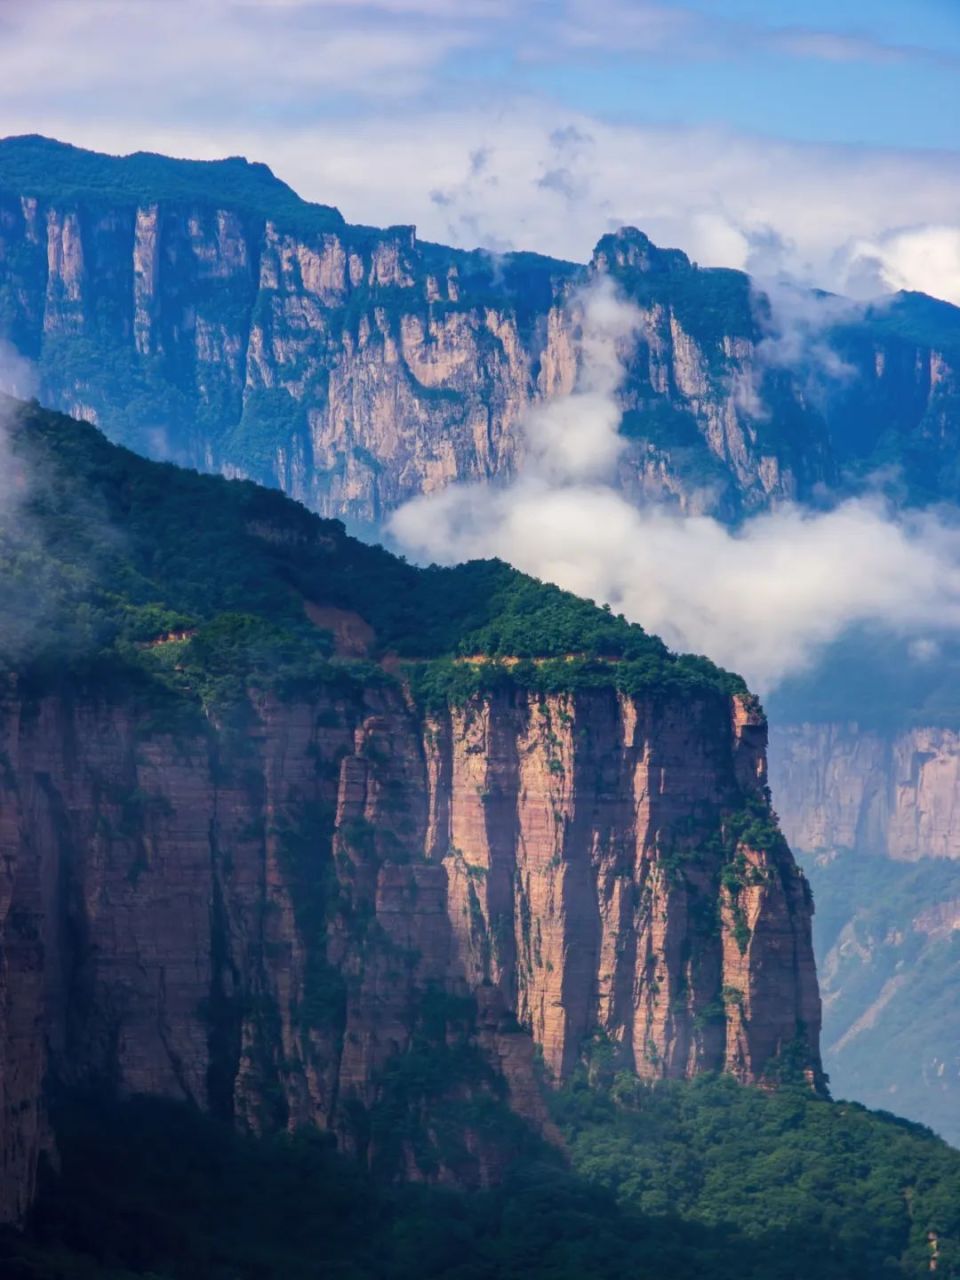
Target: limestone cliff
{"x": 895, "y": 794}
{"x": 202, "y": 312}
{"x": 260, "y": 927}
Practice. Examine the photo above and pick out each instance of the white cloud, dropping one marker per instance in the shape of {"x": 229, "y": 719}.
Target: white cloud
{"x": 924, "y": 649}
{"x": 17, "y": 379}
{"x": 18, "y": 376}
{"x": 763, "y": 599}
{"x": 238, "y": 59}
{"x": 795, "y": 324}
{"x": 922, "y": 258}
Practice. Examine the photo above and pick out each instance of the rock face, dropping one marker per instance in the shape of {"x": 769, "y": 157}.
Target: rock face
{"x": 241, "y": 330}
{"x": 271, "y": 918}
{"x": 837, "y": 786}
{"x": 874, "y": 817}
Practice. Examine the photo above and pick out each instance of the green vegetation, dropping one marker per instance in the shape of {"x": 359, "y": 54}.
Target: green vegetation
{"x": 707, "y": 1180}
{"x": 120, "y": 569}
{"x": 817, "y": 1188}
{"x": 435, "y": 1093}
{"x": 303, "y": 846}
{"x": 918, "y": 319}
{"x": 35, "y": 166}
{"x": 710, "y": 303}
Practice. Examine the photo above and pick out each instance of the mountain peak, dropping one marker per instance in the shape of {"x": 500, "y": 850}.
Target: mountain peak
{"x": 630, "y": 249}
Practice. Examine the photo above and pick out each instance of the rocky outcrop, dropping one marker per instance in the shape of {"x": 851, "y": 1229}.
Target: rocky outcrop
{"x": 357, "y": 368}
{"x": 271, "y": 916}
{"x": 897, "y": 794}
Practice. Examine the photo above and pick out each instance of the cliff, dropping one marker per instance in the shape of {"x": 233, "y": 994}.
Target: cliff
{"x": 882, "y": 792}
{"x": 359, "y": 893}
{"x": 266, "y": 936}
{"x": 203, "y": 312}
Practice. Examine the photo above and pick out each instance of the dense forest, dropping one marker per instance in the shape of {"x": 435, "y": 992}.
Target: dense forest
{"x": 47, "y": 169}
{"x": 104, "y": 554}
{"x": 706, "y": 1179}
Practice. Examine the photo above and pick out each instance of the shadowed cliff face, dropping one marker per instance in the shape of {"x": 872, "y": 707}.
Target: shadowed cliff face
{"x": 358, "y": 854}
{"x": 273, "y": 923}
{"x": 357, "y": 368}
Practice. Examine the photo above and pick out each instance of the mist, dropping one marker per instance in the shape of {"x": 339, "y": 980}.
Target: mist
{"x": 18, "y": 380}
{"x": 765, "y": 599}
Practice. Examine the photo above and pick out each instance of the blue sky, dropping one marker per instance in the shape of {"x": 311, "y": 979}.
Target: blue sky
{"x": 817, "y": 139}
{"x": 890, "y": 78}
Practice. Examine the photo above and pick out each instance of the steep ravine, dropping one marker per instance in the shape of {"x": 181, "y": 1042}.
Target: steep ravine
{"x": 263, "y": 921}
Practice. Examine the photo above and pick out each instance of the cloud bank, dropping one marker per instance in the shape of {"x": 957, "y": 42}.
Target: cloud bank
{"x": 764, "y": 599}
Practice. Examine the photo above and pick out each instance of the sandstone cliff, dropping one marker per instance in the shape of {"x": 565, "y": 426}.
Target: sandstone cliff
{"x": 204, "y": 313}
{"x": 873, "y": 814}
{"x": 311, "y": 837}
{"x": 266, "y": 927}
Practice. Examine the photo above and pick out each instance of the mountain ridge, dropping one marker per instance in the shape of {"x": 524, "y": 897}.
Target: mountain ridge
{"x": 356, "y": 368}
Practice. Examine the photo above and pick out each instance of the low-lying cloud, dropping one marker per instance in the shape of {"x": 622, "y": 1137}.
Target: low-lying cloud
{"x": 764, "y": 599}
{"x": 796, "y": 327}
{"x": 924, "y": 258}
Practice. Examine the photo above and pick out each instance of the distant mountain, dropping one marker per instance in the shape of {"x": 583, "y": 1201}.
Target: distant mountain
{"x": 888, "y": 938}
{"x": 201, "y": 311}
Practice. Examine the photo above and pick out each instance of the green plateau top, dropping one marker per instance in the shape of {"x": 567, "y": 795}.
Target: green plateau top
{"x": 210, "y": 584}
{"x": 31, "y": 165}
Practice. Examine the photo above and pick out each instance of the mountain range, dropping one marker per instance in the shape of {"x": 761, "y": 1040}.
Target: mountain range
{"x": 305, "y": 837}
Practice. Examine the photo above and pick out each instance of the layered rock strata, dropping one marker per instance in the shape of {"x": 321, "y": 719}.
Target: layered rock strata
{"x": 268, "y": 918}
{"x": 357, "y": 368}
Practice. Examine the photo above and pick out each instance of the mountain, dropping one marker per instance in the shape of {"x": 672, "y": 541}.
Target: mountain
{"x": 309, "y": 837}
{"x": 700, "y": 1179}
{"x": 303, "y": 847}
{"x": 889, "y": 961}
{"x": 864, "y": 766}
{"x": 201, "y": 311}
